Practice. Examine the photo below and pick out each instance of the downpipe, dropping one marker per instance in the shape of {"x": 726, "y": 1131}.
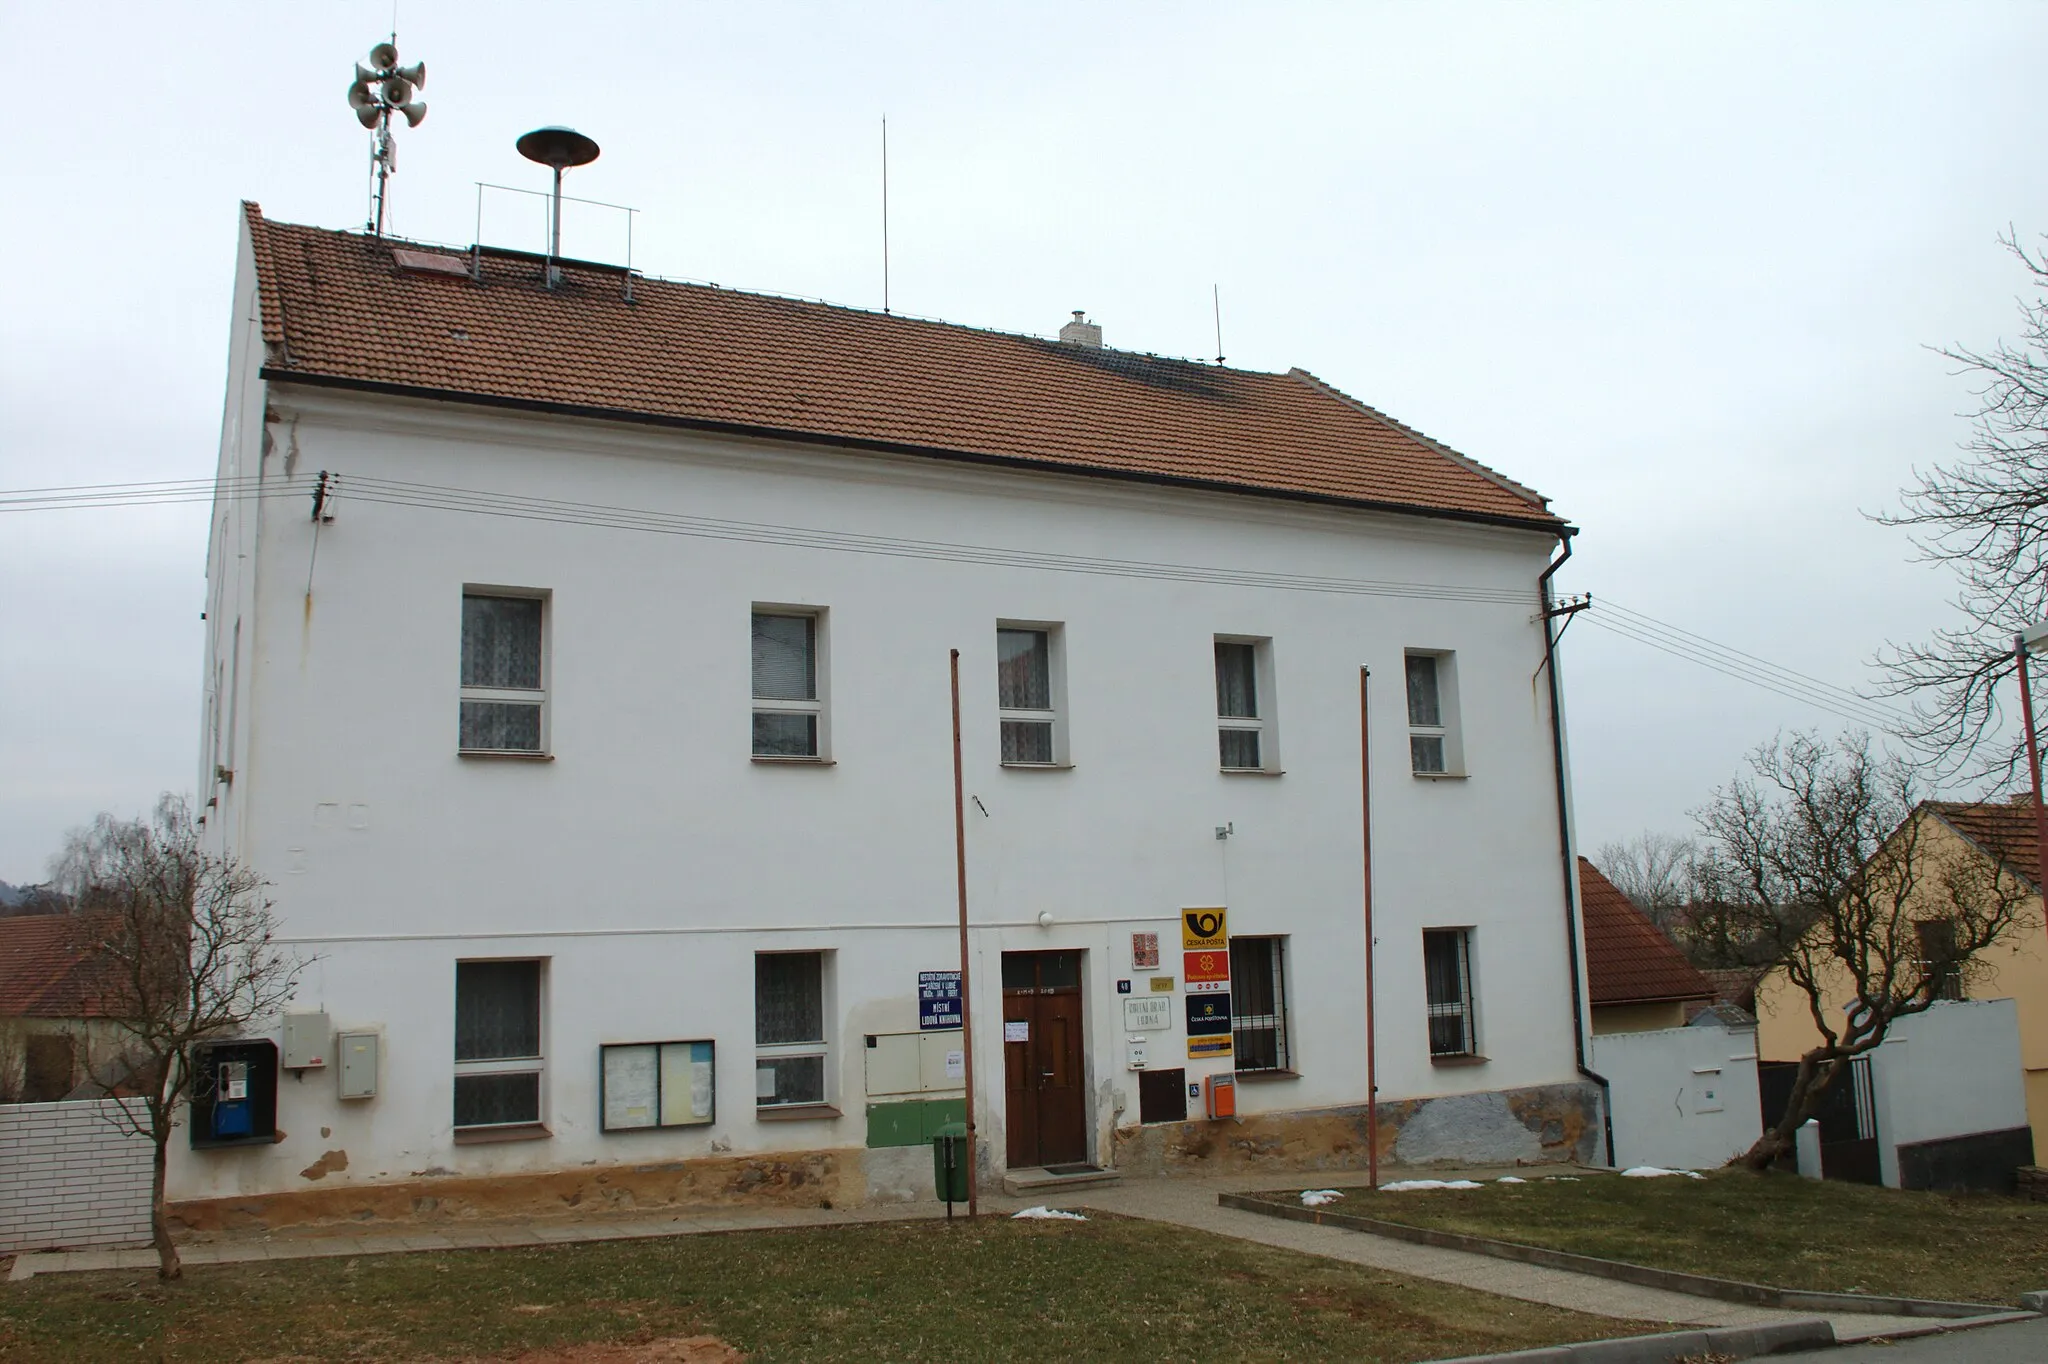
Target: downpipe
{"x": 1564, "y": 848}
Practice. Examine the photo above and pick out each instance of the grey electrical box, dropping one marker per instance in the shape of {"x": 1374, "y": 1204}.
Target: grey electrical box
{"x": 358, "y": 1071}
{"x": 306, "y": 1038}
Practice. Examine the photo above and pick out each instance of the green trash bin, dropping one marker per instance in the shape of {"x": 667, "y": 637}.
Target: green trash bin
{"x": 949, "y": 1164}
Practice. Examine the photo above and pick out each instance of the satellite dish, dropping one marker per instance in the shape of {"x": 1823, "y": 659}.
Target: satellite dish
{"x": 384, "y": 56}
{"x": 413, "y": 113}
{"x": 558, "y": 147}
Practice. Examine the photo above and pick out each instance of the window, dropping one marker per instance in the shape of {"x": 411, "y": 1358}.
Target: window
{"x": 1939, "y": 965}
{"x": 497, "y": 1043}
{"x": 788, "y": 710}
{"x": 1258, "y": 984}
{"x": 1028, "y": 694}
{"x": 1433, "y": 749}
{"x": 789, "y": 1029}
{"x": 1244, "y": 721}
{"x": 504, "y": 700}
{"x": 1447, "y": 974}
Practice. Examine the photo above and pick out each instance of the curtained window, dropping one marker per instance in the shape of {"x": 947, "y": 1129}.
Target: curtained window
{"x": 789, "y": 1029}
{"x": 504, "y": 696}
{"x": 1243, "y": 724}
{"x": 1433, "y": 747}
{"x": 1025, "y": 696}
{"x": 788, "y": 709}
{"x": 498, "y": 1054}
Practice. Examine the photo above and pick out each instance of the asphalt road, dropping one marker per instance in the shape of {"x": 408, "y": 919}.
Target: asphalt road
{"x": 2020, "y": 1342}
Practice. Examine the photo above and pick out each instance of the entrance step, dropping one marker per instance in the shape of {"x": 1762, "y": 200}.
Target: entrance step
{"x": 1055, "y": 1180}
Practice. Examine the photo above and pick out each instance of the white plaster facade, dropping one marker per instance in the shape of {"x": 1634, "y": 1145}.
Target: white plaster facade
{"x": 649, "y": 858}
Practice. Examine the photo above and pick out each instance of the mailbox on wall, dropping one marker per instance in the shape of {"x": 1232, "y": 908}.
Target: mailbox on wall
{"x": 234, "y": 1094}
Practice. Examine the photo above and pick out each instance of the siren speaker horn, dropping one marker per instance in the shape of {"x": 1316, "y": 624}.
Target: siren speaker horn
{"x": 359, "y": 96}
{"x": 367, "y": 115}
{"x": 416, "y": 74}
{"x": 384, "y": 56}
{"x": 413, "y": 112}
{"x": 397, "y": 90}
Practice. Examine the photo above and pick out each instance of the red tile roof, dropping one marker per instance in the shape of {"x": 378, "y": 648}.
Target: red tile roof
{"x": 42, "y": 972}
{"x": 1628, "y": 958}
{"x": 341, "y": 308}
{"x": 2002, "y": 828}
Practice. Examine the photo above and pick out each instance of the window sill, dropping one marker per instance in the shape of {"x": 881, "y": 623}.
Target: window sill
{"x": 796, "y": 1113}
{"x": 518, "y": 755}
{"x": 1469, "y": 1059}
{"x": 1257, "y": 1077}
{"x": 1253, "y": 771}
{"x": 770, "y": 760}
{"x": 1442, "y": 776}
{"x": 485, "y": 1136}
{"x": 1039, "y": 767}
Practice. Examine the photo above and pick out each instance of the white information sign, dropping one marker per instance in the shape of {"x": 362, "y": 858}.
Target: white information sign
{"x": 630, "y": 1086}
{"x": 1146, "y": 1013}
{"x": 956, "y": 1065}
{"x": 1016, "y": 1030}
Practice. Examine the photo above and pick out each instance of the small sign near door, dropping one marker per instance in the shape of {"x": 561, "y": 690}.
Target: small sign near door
{"x": 1210, "y": 965}
{"x": 1016, "y": 1030}
{"x": 1147, "y": 1013}
{"x": 938, "y": 1000}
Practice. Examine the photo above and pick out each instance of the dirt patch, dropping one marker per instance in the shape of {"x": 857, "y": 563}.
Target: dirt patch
{"x": 670, "y": 1350}
{"x": 329, "y": 1163}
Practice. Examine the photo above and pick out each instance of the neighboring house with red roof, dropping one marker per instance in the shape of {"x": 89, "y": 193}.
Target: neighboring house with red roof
{"x": 2015, "y": 968}
{"x": 579, "y": 676}
{"x": 54, "y": 1031}
{"x": 1639, "y": 980}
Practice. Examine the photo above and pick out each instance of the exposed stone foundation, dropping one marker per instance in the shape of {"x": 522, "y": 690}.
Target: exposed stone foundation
{"x": 805, "y": 1179}
{"x": 2033, "y": 1183}
{"x": 1547, "y": 1124}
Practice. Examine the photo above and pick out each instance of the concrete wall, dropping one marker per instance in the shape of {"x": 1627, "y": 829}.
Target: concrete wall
{"x": 1684, "y": 1098}
{"x": 1950, "y": 1072}
{"x": 70, "y": 1177}
{"x": 648, "y": 859}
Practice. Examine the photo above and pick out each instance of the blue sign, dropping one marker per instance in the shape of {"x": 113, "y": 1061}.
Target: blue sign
{"x": 938, "y": 1000}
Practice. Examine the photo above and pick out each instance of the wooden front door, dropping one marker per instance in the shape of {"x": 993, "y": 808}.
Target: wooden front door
{"x": 1047, "y": 1112}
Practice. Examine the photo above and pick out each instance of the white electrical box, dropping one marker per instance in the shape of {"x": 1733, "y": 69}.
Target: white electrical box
{"x": 306, "y": 1039}
{"x": 359, "y": 1053}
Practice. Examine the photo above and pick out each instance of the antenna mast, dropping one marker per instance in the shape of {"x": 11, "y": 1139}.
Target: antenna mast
{"x": 1216, "y": 300}
{"x": 885, "y": 213}
{"x": 393, "y": 91}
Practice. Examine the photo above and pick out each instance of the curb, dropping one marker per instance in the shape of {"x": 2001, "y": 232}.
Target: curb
{"x": 1733, "y": 1342}
{"x": 1698, "y": 1285}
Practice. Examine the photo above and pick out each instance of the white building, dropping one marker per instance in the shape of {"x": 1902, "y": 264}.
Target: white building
{"x": 482, "y": 707}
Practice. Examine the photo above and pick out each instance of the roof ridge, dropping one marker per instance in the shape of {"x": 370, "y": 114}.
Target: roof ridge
{"x": 691, "y": 282}
{"x": 1484, "y": 471}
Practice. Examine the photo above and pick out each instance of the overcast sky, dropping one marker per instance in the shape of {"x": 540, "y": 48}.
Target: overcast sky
{"x": 1675, "y": 266}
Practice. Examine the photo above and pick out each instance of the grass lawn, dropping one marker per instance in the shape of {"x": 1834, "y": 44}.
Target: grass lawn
{"x": 1773, "y": 1229}
{"x": 998, "y": 1290}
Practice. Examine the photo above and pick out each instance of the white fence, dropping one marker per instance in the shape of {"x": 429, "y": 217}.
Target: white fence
{"x": 1951, "y": 1072}
{"x": 1684, "y": 1098}
{"x": 70, "y": 1176}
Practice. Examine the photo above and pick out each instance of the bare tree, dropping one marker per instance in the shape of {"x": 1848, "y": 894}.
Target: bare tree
{"x": 181, "y": 940}
{"x": 1655, "y": 870}
{"x": 1824, "y": 852}
{"x": 1985, "y": 517}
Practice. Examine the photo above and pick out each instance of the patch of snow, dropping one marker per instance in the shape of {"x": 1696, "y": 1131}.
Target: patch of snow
{"x": 1560, "y": 1179}
{"x": 1657, "y": 1172}
{"x": 1048, "y": 1214}
{"x": 1511, "y": 1179}
{"x": 1419, "y": 1185}
{"x": 1315, "y": 1198}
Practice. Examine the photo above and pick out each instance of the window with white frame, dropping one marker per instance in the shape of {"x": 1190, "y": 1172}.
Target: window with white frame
{"x": 1028, "y": 694}
{"x": 498, "y": 1051}
{"x": 504, "y": 667}
{"x": 789, "y": 1029}
{"x": 1258, "y": 1001}
{"x": 1447, "y": 978}
{"x": 1433, "y": 747}
{"x": 1244, "y": 720}
{"x": 1941, "y": 966}
{"x": 789, "y": 709}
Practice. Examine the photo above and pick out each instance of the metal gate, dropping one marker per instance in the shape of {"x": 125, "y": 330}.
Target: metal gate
{"x": 1847, "y": 1117}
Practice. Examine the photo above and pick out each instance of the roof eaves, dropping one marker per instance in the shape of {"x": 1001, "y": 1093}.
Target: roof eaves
{"x": 284, "y": 373}
{"x": 1464, "y": 461}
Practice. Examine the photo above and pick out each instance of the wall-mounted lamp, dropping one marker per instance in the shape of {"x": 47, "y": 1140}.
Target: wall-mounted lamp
{"x": 1224, "y": 831}
{"x": 1045, "y": 918}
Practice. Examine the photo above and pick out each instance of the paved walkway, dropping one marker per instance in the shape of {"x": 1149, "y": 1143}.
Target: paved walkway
{"x": 1182, "y": 1201}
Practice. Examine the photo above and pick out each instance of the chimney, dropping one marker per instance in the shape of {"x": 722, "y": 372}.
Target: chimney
{"x": 1082, "y": 332}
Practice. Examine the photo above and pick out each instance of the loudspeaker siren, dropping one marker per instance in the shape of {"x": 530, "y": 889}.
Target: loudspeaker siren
{"x": 384, "y": 56}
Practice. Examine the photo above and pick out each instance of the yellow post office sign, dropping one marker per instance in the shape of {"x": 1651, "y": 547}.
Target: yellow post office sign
{"x": 1202, "y": 930}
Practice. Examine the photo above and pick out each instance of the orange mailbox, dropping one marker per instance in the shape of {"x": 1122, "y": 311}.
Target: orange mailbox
{"x": 1220, "y": 1095}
